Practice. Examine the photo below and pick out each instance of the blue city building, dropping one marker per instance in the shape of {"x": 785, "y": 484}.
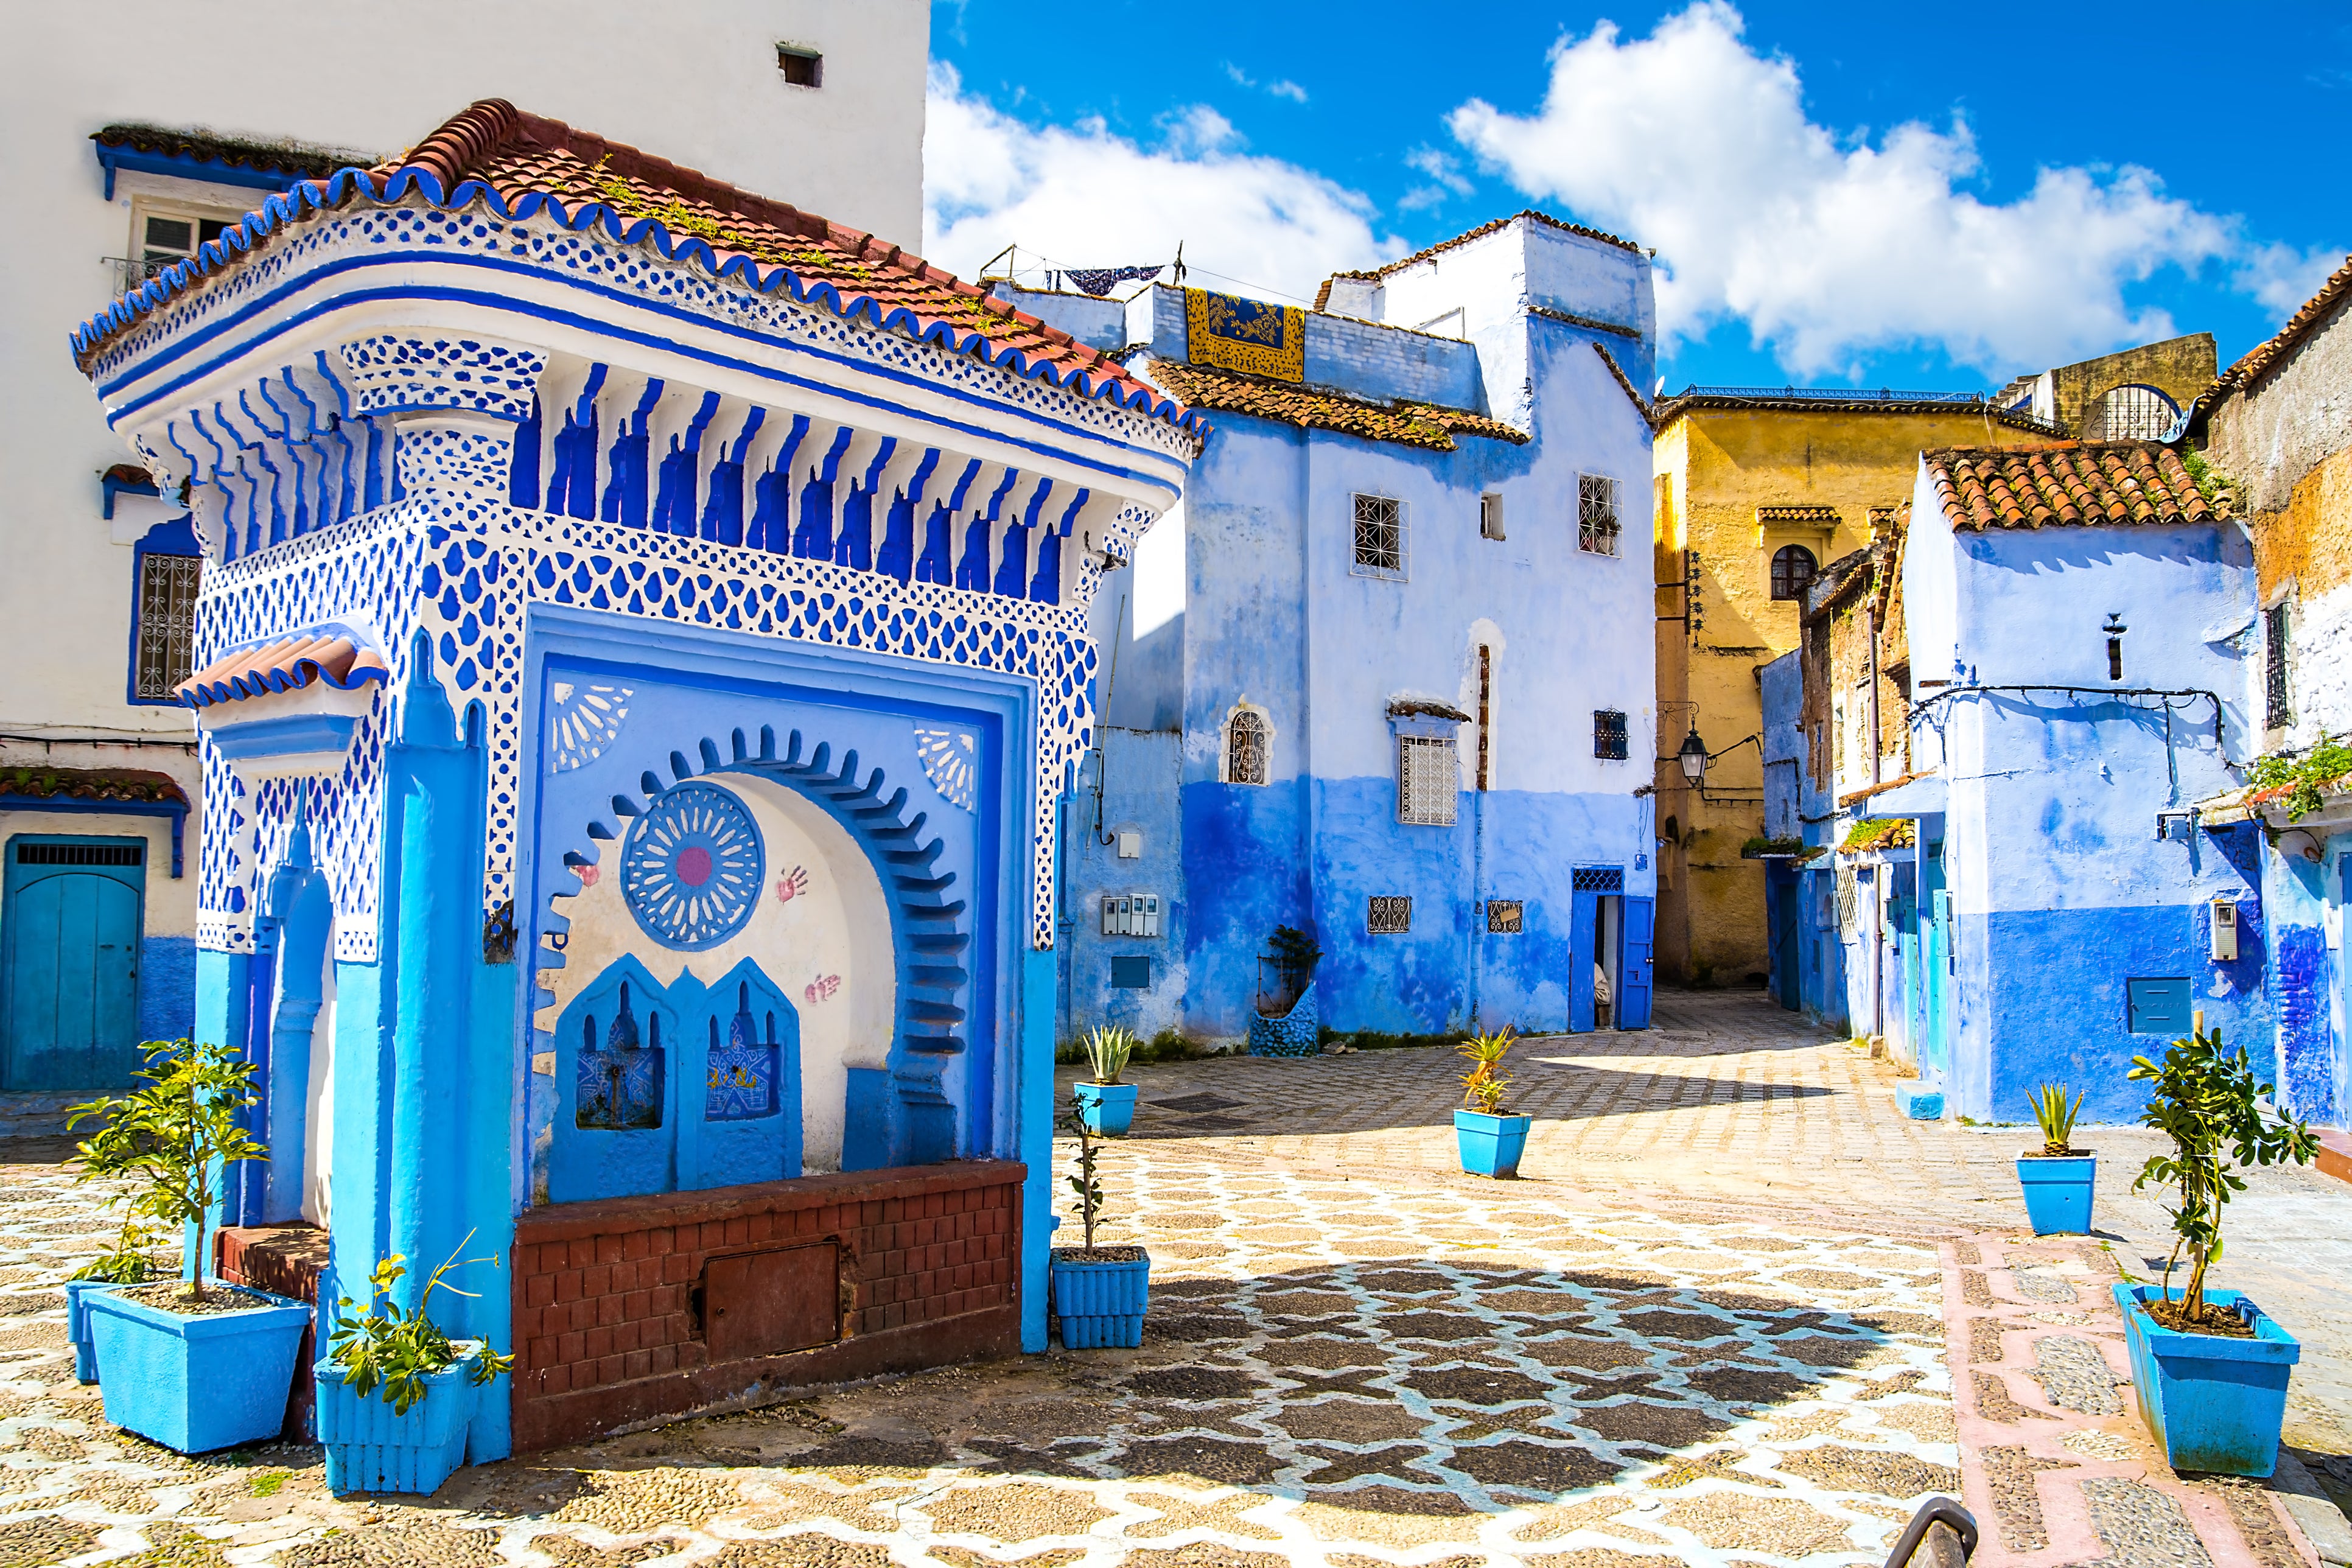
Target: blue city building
{"x": 1387, "y": 676}
{"x": 2028, "y": 896}
{"x": 644, "y": 649}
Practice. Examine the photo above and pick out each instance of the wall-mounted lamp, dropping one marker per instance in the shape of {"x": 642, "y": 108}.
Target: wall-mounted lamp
{"x": 1693, "y": 757}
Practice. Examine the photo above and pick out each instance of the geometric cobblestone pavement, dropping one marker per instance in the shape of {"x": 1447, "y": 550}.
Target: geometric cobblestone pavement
{"x": 1715, "y": 1325}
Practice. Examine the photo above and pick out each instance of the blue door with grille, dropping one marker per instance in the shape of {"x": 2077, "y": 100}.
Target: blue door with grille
{"x": 71, "y": 913}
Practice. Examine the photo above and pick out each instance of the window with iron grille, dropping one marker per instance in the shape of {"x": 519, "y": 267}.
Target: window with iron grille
{"x": 1388, "y": 914}
{"x": 1379, "y": 537}
{"x": 1598, "y": 879}
{"x": 1609, "y": 734}
{"x": 1428, "y": 780}
{"x": 1792, "y": 567}
{"x": 2276, "y": 713}
{"x": 164, "y": 652}
{"x": 1596, "y": 514}
{"x": 2134, "y": 413}
{"x": 1246, "y": 748}
{"x": 1504, "y": 917}
{"x": 1490, "y": 515}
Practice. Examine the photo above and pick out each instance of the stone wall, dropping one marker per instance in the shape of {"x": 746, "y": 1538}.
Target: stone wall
{"x": 615, "y": 1300}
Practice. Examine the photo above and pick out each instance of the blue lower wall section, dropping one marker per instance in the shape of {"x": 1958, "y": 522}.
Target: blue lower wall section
{"x": 167, "y": 987}
{"x": 2044, "y": 996}
{"x": 1245, "y": 872}
{"x": 1037, "y": 1110}
{"x": 2308, "y": 981}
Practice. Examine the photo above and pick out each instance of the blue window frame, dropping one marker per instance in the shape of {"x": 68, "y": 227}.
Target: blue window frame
{"x": 2158, "y": 1007}
{"x": 166, "y": 567}
{"x": 1132, "y": 973}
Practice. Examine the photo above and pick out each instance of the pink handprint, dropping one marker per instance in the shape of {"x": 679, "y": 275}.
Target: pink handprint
{"x": 791, "y": 885}
{"x": 588, "y": 875}
{"x": 821, "y": 988}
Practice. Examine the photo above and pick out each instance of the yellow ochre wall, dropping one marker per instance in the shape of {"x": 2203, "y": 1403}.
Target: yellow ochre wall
{"x": 1714, "y": 467}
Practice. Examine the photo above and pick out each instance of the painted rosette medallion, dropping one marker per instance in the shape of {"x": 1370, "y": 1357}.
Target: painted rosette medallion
{"x": 693, "y": 867}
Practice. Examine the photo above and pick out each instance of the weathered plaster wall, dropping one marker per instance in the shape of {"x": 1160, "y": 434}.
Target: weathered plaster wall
{"x": 2305, "y": 897}
{"x": 1139, "y": 776}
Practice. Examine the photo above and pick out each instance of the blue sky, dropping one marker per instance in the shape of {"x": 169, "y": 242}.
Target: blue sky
{"x": 1909, "y": 197}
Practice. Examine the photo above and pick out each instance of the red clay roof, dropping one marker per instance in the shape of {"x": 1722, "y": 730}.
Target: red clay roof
{"x": 2301, "y": 325}
{"x": 292, "y": 159}
{"x": 2082, "y": 483}
{"x": 1408, "y": 424}
{"x": 282, "y": 666}
{"x": 526, "y": 161}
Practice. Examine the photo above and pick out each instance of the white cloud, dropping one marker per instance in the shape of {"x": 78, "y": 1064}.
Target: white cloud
{"x": 2282, "y": 277}
{"x": 1085, "y": 197}
{"x": 1829, "y": 246}
{"x": 1445, "y": 177}
{"x": 1287, "y": 89}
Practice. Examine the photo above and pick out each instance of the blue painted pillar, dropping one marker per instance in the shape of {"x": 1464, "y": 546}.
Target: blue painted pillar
{"x": 1035, "y": 1124}
{"x": 303, "y": 909}
{"x": 432, "y": 820}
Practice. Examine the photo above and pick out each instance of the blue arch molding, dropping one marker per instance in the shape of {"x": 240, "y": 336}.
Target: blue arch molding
{"x": 309, "y": 197}
{"x": 931, "y": 938}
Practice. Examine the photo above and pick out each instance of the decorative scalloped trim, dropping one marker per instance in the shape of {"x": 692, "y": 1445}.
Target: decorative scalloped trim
{"x": 308, "y": 196}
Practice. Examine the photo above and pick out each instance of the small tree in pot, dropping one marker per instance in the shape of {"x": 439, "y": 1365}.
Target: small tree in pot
{"x": 204, "y": 1366}
{"x": 1100, "y": 1293}
{"x": 1490, "y": 1139}
{"x": 2209, "y": 1367}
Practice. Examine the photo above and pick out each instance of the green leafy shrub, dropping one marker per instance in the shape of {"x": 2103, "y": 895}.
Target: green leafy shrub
{"x": 2306, "y": 778}
{"x": 398, "y": 1351}
{"x": 175, "y": 1138}
{"x": 127, "y": 1261}
{"x": 2208, "y": 1101}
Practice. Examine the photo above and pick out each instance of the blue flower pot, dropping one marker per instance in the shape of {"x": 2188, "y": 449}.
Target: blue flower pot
{"x": 196, "y": 1383}
{"x": 371, "y": 1448}
{"x": 1491, "y": 1146}
{"x": 78, "y": 1328}
{"x": 1107, "y": 1109}
{"x": 2216, "y": 1404}
{"x": 2058, "y": 1191}
{"x": 1101, "y": 1304}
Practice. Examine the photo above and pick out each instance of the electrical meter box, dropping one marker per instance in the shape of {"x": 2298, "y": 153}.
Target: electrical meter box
{"x": 2225, "y": 931}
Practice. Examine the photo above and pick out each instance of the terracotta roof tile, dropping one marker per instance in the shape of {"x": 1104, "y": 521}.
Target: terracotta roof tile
{"x": 91, "y": 784}
{"x": 2074, "y": 483}
{"x": 1422, "y": 424}
{"x": 526, "y": 164}
{"x": 2264, "y": 355}
{"x": 284, "y": 664}
{"x": 292, "y": 159}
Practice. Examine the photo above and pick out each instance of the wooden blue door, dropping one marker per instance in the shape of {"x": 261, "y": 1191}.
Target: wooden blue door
{"x": 1584, "y": 936}
{"x": 71, "y": 920}
{"x": 1634, "y": 983}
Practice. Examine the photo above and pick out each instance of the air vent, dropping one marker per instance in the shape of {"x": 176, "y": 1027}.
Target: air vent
{"x": 132, "y": 852}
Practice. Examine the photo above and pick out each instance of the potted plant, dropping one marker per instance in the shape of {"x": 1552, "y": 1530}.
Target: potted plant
{"x": 1099, "y": 1292}
{"x": 201, "y": 1365}
{"x": 2057, "y": 1178}
{"x": 1107, "y": 1105}
{"x": 2210, "y": 1367}
{"x": 1491, "y": 1138}
{"x": 411, "y": 1435}
{"x": 126, "y": 1264}
{"x": 1288, "y": 1021}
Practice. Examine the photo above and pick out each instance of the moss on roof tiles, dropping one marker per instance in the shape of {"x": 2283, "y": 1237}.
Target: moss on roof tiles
{"x": 1425, "y": 425}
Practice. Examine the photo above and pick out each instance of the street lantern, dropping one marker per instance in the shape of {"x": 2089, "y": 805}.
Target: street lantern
{"x": 1693, "y": 757}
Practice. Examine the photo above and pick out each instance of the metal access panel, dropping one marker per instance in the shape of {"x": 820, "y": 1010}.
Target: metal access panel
{"x": 768, "y": 1303}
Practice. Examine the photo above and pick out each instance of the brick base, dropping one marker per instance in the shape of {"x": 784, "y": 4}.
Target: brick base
{"x": 286, "y": 1260}
{"x": 608, "y": 1311}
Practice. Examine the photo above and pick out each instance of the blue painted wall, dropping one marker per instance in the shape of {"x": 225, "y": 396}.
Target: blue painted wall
{"x": 2304, "y": 900}
{"x": 167, "y": 987}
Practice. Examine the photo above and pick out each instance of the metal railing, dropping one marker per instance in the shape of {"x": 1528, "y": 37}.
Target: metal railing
{"x": 1836, "y": 395}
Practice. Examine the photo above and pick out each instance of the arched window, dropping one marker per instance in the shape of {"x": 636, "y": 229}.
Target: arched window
{"x": 1792, "y": 567}
{"x": 1246, "y": 748}
{"x": 2133, "y": 413}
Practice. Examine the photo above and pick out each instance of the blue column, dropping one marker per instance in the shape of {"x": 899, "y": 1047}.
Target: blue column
{"x": 1037, "y": 1111}
{"x": 303, "y": 909}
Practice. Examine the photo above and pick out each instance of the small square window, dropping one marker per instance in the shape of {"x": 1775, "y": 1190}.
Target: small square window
{"x": 802, "y": 67}
{"x": 1597, "y": 514}
{"x": 1490, "y": 515}
{"x": 1131, "y": 972}
{"x": 1609, "y": 734}
{"x": 2158, "y": 1006}
{"x": 1388, "y": 914}
{"x": 1379, "y": 537}
{"x": 1504, "y": 917}
{"x": 1429, "y": 780}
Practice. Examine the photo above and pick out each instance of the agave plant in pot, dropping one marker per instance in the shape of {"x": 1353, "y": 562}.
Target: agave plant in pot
{"x": 396, "y": 1395}
{"x": 2057, "y": 1178}
{"x": 1490, "y": 1138}
{"x": 2210, "y": 1367}
{"x": 193, "y": 1363}
{"x": 1107, "y": 1105}
{"x": 1100, "y": 1293}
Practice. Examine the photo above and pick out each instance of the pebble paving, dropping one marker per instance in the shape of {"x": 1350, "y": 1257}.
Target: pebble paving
{"x": 1356, "y": 1357}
